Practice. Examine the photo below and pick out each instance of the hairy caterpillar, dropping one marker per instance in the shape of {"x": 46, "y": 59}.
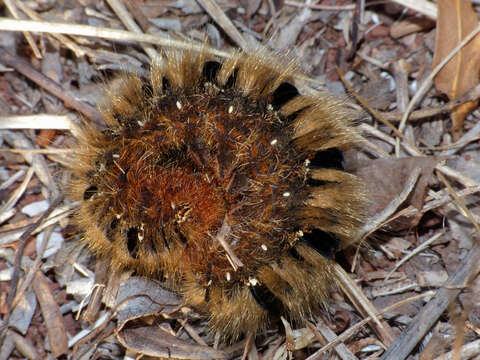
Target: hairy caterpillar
{"x": 223, "y": 179}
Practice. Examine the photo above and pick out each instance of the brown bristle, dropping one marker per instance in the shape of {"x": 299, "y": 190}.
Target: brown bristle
{"x": 225, "y": 180}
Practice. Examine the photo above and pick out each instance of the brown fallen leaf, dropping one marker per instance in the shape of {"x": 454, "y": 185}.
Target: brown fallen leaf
{"x": 52, "y": 316}
{"x": 139, "y": 297}
{"x": 24, "y": 345}
{"x": 153, "y": 341}
{"x": 410, "y": 26}
{"x": 45, "y": 137}
{"x": 386, "y": 178}
{"x": 456, "y": 19}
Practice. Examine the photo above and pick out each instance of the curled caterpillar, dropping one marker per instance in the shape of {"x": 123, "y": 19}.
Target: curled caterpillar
{"x": 225, "y": 180}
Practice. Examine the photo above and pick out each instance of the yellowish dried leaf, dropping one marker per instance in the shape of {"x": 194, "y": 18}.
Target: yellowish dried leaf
{"x": 456, "y": 19}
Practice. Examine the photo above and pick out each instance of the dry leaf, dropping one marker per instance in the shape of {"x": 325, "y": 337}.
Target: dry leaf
{"x": 141, "y": 297}
{"x": 456, "y": 19}
{"x": 45, "y": 137}
{"x": 52, "y": 316}
{"x": 410, "y": 26}
{"x": 386, "y": 178}
{"x": 153, "y": 341}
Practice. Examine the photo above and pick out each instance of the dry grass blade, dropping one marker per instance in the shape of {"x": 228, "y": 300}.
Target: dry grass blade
{"x": 447, "y": 198}
{"x": 38, "y": 151}
{"x": 472, "y": 135}
{"x": 12, "y": 179}
{"x": 37, "y": 121}
{"x": 105, "y": 33}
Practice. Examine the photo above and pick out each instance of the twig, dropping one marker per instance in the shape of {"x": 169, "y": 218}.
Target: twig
{"x": 457, "y": 175}
{"x": 7, "y": 24}
{"x": 410, "y": 148}
{"x": 51, "y": 86}
{"x": 443, "y": 200}
{"x": 15, "y": 231}
{"x": 453, "y": 147}
{"x": 192, "y": 332}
